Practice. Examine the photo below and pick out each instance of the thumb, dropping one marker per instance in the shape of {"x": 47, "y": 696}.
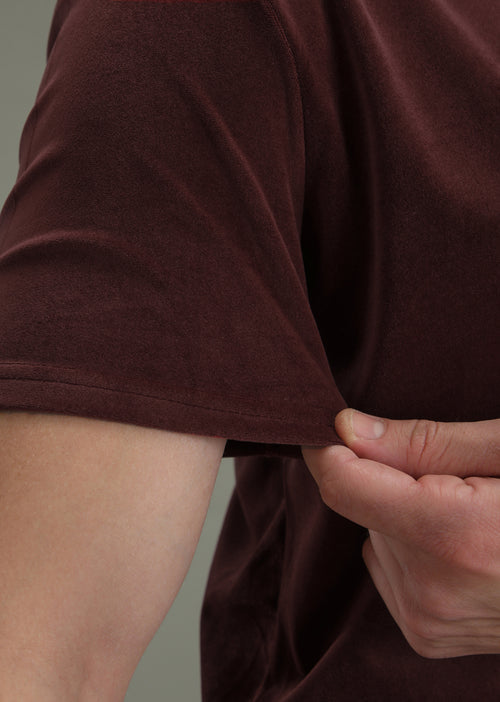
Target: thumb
{"x": 421, "y": 447}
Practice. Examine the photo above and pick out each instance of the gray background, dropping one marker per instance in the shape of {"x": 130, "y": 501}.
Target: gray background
{"x": 170, "y": 668}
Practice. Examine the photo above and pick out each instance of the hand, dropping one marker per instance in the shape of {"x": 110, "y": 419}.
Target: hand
{"x": 428, "y": 495}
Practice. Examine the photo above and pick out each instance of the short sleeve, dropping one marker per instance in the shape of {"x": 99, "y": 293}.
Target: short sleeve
{"x": 151, "y": 264}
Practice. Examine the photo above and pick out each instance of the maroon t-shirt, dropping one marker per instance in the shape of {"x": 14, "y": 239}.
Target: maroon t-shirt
{"x": 234, "y": 218}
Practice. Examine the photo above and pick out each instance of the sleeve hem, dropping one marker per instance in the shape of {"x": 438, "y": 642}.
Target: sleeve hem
{"x": 248, "y": 430}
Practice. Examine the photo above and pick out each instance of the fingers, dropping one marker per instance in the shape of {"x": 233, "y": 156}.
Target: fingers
{"x": 385, "y": 571}
{"x": 381, "y": 498}
{"x": 421, "y": 447}
{"x": 433, "y": 547}
{"x": 388, "y": 578}
{"x": 380, "y": 578}
{"x": 439, "y": 615}
{"x": 371, "y": 494}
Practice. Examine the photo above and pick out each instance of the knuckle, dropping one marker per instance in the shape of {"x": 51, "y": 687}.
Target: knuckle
{"x": 329, "y": 490}
{"x": 423, "y": 632}
{"x": 440, "y": 609}
{"x": 334, "y": 489}
{"x": 423, "y": 647}
{"x": 426, "y": 621}
{"x": 419, "y": 629}
{"x": 421, "y": 448}
{"x": 430, "y": 620}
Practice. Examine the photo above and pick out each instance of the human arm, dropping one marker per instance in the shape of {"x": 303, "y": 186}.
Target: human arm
{"x": 430, "y": 496}
{"x": 99, "y": 522}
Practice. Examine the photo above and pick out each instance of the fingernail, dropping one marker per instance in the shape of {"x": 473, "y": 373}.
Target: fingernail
{"x": 365, "y": 426}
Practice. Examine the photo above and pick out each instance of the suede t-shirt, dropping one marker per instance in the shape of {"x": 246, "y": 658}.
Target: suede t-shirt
{"x": 235, "y": 218}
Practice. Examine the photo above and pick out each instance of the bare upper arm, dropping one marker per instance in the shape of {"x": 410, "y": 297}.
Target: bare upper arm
{"x": 98, "y": 525}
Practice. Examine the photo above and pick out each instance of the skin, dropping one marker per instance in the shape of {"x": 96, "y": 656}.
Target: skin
{"x": 98, "y": 526}
{"x": 99, "y": 522}
{"x": 429, "y": 494}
